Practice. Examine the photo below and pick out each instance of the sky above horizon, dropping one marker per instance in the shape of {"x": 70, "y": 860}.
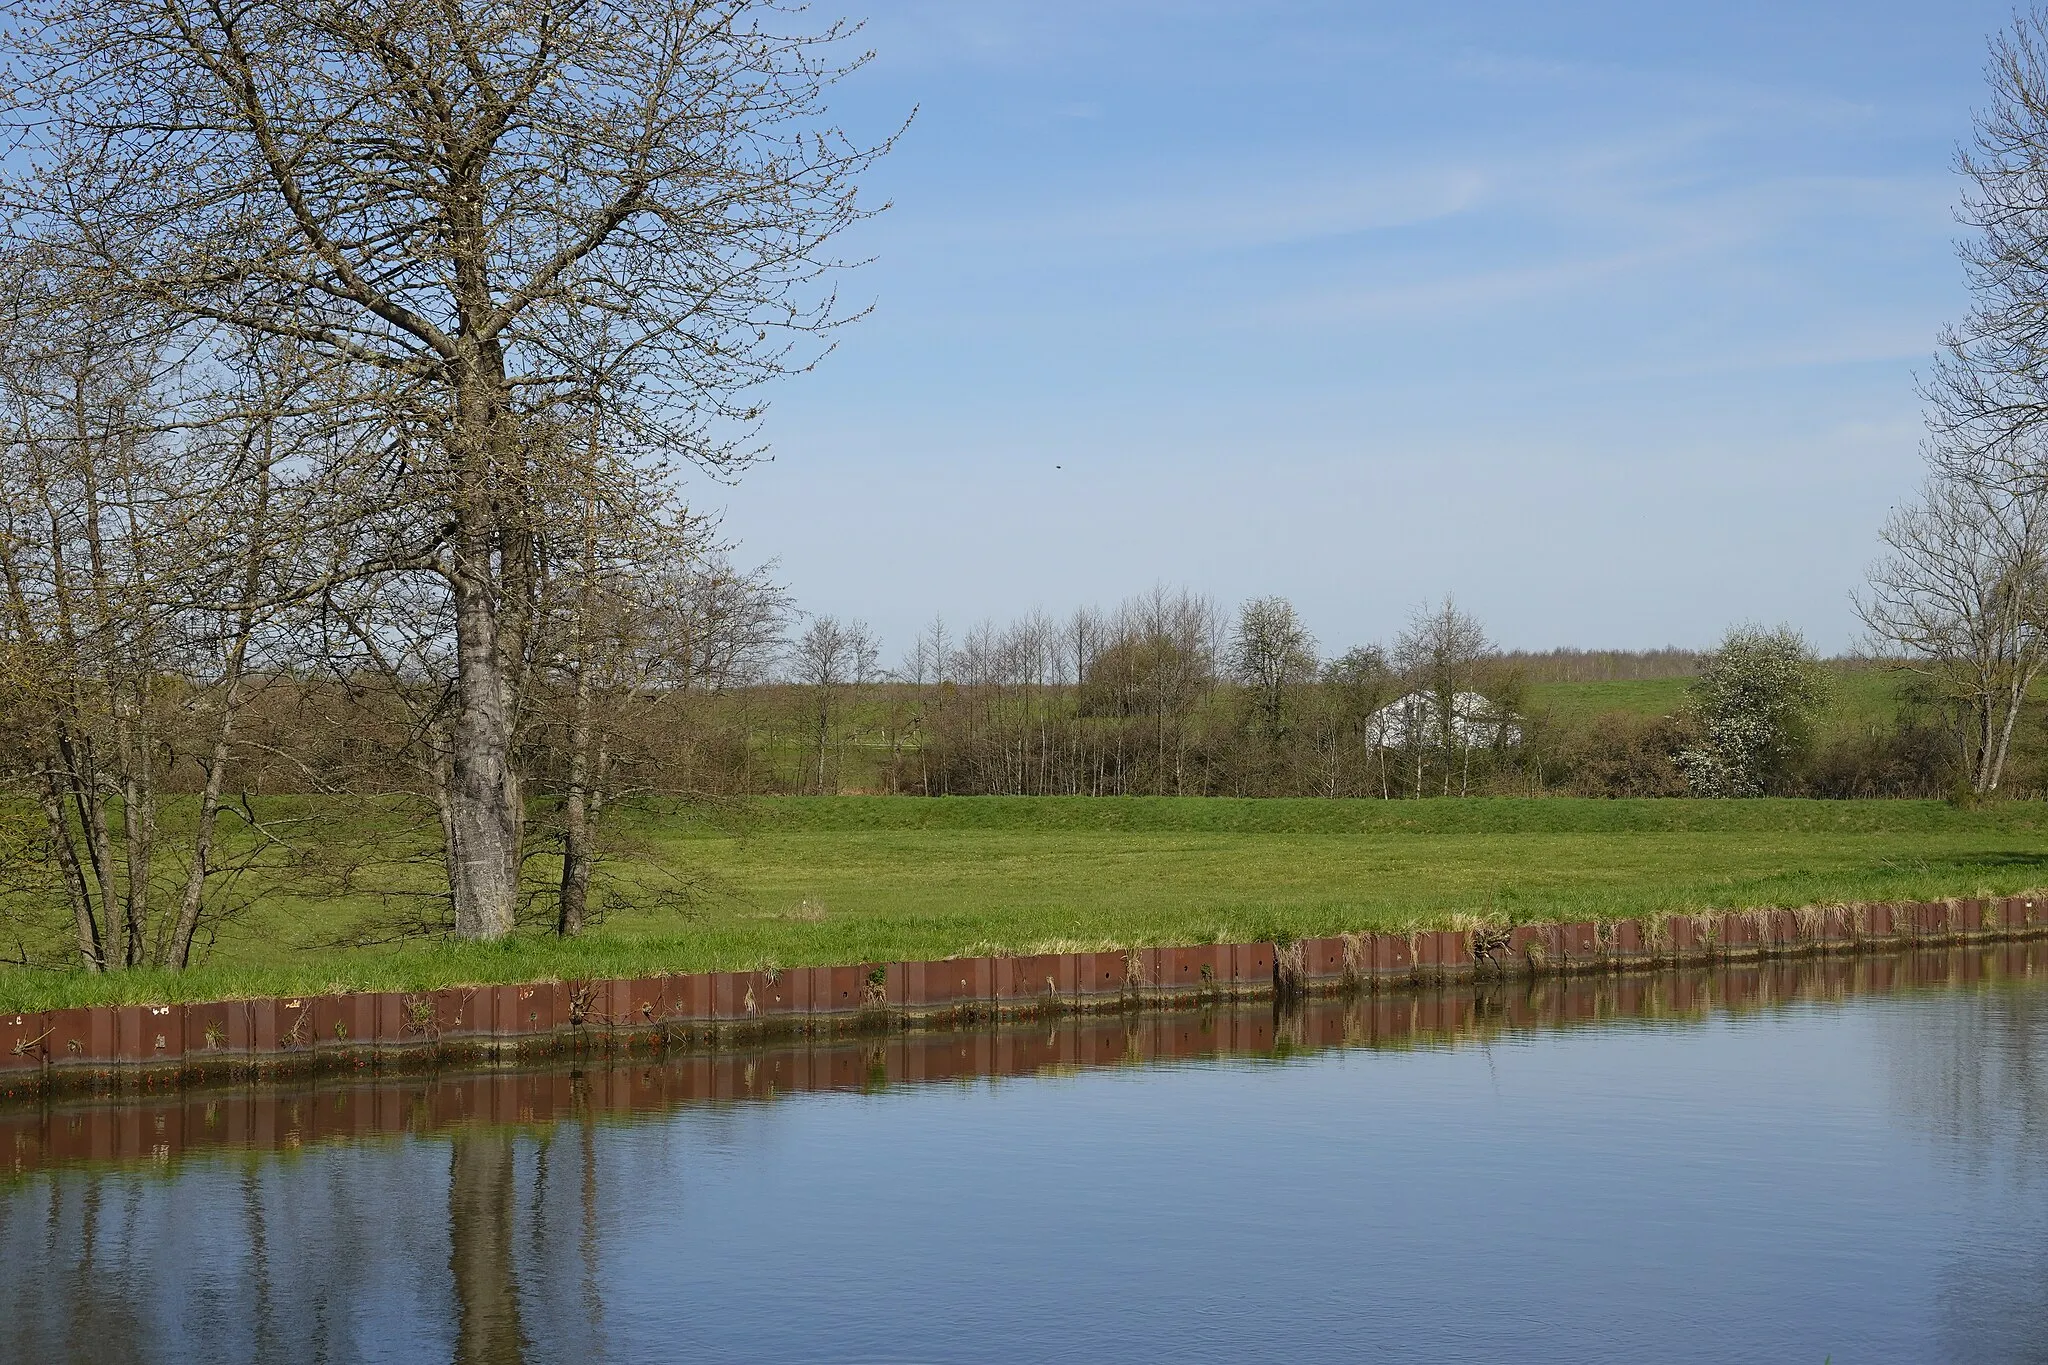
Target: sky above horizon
{"x": 1603, "y": 318}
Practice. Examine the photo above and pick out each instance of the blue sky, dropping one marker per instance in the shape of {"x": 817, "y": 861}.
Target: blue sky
{"x": 1602, "y": 317}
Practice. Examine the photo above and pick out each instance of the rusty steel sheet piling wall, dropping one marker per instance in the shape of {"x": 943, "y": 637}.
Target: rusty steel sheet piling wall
{"x": 104, "y": 1044}
{"x": 192, "y": 1115}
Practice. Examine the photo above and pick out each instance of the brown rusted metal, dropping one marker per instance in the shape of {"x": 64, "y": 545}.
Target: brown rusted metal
{"x": 1100, "y": 974}
{"x": 1739, "y": 934}
{"x": 1626, "y": 941}
{"x": 1035, "y": 977}
{"x": 627, "y": 1012}
{"x": 1251, "y": 964}
{"x": 1578, "y": 942}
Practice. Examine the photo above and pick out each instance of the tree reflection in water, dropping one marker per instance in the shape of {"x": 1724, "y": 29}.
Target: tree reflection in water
{"x": 1972, "y": 1070}
{"x": 481, "y": 1187}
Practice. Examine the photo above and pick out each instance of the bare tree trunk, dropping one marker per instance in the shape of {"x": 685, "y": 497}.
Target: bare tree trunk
{"x": 51, "y": 777}
{"x": 92, "y": 821}
{"x": 194, "y": 899}
{"x": 180, "y": 951}
{"x": 179, "y": 955}
{"x": 138, "y": 829}
{"x": 575, "y": 896}
{"x": 2015, "y": 701}
{"x": 90, "y": 948}
{"x": 824, "y": 732}
{"x": 483, "y": 791}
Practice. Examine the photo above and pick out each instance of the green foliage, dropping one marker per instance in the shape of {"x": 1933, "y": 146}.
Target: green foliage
{"x": 1754, "y": 704}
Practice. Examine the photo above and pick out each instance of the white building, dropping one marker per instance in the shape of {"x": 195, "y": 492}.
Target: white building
{"x": 1416, "y": 719}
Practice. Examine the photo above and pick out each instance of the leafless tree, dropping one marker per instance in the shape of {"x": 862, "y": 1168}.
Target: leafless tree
{"x": 642, "y": 617}
{"x": 149, "y": 544}
{"x": 1988, "y": 393}
{"x": 1158, "y": 659}
{"x": 84, "y": 649}
{"x": 438, "y": 201}
{"x": 1359, "y": 683}
{"x": 830, "y": 656}
{"x": 1958, "y": 589}
{"x": 1441, "y": 653}
{"x": 1963, "y": 590}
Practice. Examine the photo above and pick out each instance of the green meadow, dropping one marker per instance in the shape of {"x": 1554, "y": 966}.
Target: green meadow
{"x": 1857, "y": 697}
{"x": 795, "y": 881}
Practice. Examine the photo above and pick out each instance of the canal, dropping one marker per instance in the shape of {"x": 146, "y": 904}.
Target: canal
{"x": 1782, "y": 1162}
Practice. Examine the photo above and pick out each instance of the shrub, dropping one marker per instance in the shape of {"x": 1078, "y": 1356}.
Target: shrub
{"x": 1753, "y": 706}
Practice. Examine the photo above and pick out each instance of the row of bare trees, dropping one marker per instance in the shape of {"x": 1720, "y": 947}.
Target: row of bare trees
{"x": 1168, "y": 695}
{"x": 358, "y": 350}
{"x": 1165, "y": 694}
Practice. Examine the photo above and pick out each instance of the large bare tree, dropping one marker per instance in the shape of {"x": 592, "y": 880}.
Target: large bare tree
{"x": 441, "y": 198}
{"x": 1987, "y": 395}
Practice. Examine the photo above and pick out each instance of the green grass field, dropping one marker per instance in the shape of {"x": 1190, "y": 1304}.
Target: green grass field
{"x": 800, "y": 881}
{"x": 1857, "y": 698}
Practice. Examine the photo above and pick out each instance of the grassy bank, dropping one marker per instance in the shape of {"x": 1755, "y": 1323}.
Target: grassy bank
{"x": 798, "y": 881}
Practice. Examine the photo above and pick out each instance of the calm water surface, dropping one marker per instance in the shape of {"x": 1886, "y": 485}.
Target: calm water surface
{"x": 1783, "y": 1164}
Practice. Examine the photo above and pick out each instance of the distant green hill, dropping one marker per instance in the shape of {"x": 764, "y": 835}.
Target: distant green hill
{"x": 1862, "y": 696}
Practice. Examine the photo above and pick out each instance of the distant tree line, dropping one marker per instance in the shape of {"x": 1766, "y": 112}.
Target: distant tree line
{"x": 727, "y": 690}
{"x": 1169, "y": 695}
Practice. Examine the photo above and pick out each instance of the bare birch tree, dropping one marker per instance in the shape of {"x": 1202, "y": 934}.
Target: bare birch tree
{"x": 830, "y": 656}
{"x": 1963, "y": 590}
{"x": 1987, "y": 396}
{"x": 146, "y": 546}
{"x": 438, "y": 198}
{"x": 1441, "y": 652}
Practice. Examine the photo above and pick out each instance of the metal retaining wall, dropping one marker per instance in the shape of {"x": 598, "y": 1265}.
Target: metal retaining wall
{"x": 177, "y": 1119}
{"x": 345, "y": 1030}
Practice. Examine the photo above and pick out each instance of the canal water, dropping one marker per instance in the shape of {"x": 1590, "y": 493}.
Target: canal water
{"x": 1803, "y": 1162}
